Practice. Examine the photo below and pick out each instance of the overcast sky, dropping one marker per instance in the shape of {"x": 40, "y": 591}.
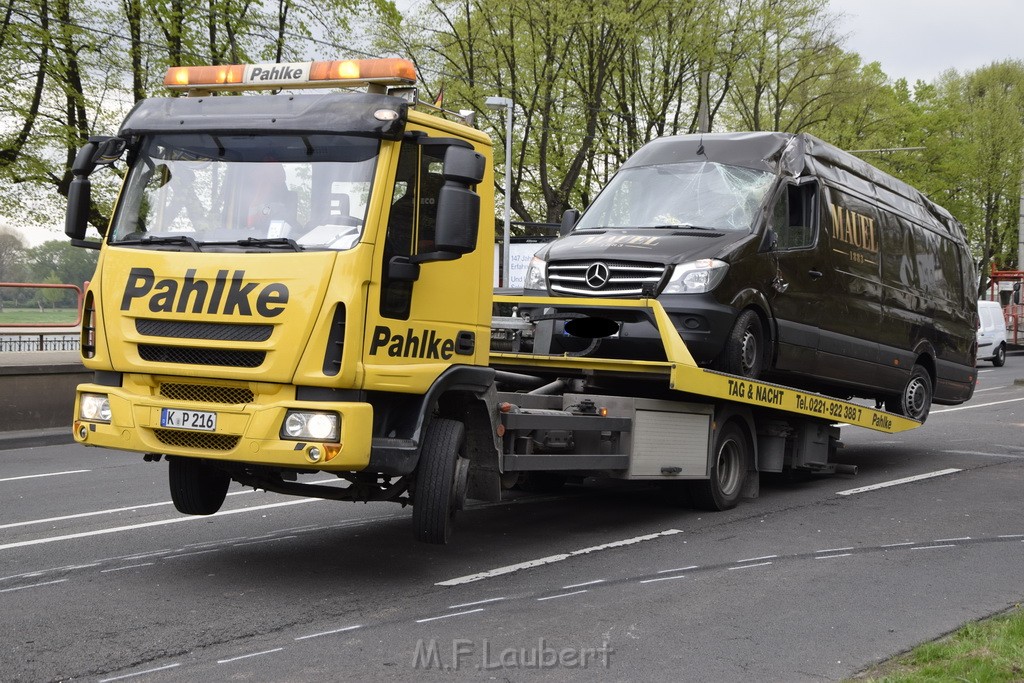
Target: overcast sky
{"x": 919, "y": 39}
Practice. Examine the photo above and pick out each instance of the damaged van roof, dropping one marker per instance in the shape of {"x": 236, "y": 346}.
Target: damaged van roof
{"x": 795, "y": 155}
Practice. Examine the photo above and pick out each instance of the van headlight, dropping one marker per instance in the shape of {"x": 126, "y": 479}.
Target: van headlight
{"x": 696, "y": 277}
{"x": 536, "y": 274}
{"x": 310, "y": 425}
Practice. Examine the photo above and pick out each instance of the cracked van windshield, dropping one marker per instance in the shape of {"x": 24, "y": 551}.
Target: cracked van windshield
{"x": 693, "y": 194}
{"x": 309, "y": 191}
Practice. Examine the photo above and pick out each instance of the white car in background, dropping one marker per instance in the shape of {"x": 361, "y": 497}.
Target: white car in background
{"x": 991, "y": 333}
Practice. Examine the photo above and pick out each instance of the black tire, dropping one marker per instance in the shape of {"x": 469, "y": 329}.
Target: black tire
{"x": 732, "y": 455}
{"x": 196, "y": 487}
{"x": 441, "y": 477}
{"x": 915, "y": 401}
{"x": 744, "y": 351}
{"x": 999, "y": 360}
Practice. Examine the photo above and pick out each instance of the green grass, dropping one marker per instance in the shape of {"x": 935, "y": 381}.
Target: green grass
{"x": 989, "y": 651}
{"x": 20, "y": 316}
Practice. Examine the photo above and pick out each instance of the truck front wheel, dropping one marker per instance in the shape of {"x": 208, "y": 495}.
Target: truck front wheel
{"x": 441, "y": 478}
{"x": 730, "y": 461}
{"x": 196, "y": 487}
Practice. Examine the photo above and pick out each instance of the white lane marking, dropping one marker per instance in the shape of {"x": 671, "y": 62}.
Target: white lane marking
{"x": 330, "y": 633}
{"x": 897, "y": 482}
{"x": 474, "y": 604}
{"x": 678, "y": 569}
{"x": 130, "y": 508}
{"x": 49, "y": 474}
{"x": 950, "y": 540}
{"x": 265, "y": 540}
{"x": 665, "y": 578}
{"x": 144, "y": 525}
{"x": 193, "y": 552}
{"x": 121, "y": 569}
{"x": 254, "y": 654}
{"x": 755, "y": 559}
{"x": 829, "y": 557}
{"x": 897, "y": 545}
{"x": 834, "y": 550}
{"x": 530, "y": 564}
{"x": 749, "y": 566}
{"x": 972, "y": 407}
{"x": 139, "y": 673}
{"x": 34, "y": 585}
{"x": 987, "y": 455}
{"x": 560, "y": 595}
{"x": 585, "y": 583}
{"x": 447, "y": 616}
{"x": 1012, "y": 536}
{"x": 933, "y": 547}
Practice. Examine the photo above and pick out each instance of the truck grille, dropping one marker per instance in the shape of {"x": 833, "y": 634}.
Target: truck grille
{"x": 199, "y": 440}
{"x": 205, "y": 393}
{"x": 188, "y": 355}
{"x": 176, "y": 329}
{"x": 605, "y": 278}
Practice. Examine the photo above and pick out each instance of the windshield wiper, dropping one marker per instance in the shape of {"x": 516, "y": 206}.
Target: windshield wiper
{"x": 269, "y": 242}
{"x": 163, "y": 239}
{"x": 681, "y": 226}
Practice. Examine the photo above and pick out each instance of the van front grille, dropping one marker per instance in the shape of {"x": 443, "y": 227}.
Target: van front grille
{"x": 199, "y": 440}
{"x": 605, "y": 278}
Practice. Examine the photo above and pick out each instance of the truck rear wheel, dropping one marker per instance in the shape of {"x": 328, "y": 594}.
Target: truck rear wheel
{"x": 441, "y": 478}
{"x": 916, "y": 399}
{"x": 731, "y": 456}
{"x": 196, "y": 487}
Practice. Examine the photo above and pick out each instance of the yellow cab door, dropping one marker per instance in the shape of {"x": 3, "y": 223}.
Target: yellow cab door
{"x": 421, "y": 322}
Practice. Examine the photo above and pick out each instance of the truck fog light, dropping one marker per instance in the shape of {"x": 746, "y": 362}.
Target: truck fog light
{"x": 314, "y": 454}
{"x": 311, "y": 425}
{"x": 94, "y": 407}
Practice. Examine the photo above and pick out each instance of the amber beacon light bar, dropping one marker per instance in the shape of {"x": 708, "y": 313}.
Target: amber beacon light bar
{"x": 346, "y": 73}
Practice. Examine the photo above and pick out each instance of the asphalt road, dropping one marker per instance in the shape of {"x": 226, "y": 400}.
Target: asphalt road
{"x": 101, "y": 580}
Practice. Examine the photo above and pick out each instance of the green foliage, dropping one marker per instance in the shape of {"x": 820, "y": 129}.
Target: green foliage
{"x": 990, "y": 651}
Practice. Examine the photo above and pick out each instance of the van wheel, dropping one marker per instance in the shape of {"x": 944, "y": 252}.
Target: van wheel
{"x": 196, "y": 487}
{"x": 916, "y": 399}
{"x": 744, "y": 351}
{"x": 999, "y": 360}
{"x": 728, "y": 471}
{"x": 441, "y": 478}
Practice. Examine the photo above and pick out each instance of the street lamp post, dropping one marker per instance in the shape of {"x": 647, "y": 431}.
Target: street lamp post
{"x": 506, "y": 104}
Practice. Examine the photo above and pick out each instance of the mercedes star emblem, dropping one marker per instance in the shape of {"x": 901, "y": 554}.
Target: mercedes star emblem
{"x": 597, "y": 275}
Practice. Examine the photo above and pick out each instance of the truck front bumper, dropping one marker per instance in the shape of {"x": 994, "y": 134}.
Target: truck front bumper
{"x": 247, "y": 432}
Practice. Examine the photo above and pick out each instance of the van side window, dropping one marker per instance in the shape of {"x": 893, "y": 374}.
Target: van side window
{"x": 793, "y": 217}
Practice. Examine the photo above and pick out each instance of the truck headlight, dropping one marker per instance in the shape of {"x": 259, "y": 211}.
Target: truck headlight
{"x": 94, "y": 408}
{"x": 308, "y": 425}
{"x": 536, "y": 274}
{"x": 696, "y": 277}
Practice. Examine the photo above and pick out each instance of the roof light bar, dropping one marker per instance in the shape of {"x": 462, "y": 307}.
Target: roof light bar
{"x": 347, "y": 73}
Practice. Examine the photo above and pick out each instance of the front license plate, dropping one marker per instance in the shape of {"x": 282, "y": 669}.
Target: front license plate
{"x": 198, "y": 420}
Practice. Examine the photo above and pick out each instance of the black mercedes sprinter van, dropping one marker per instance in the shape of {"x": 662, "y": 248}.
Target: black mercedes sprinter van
{"x": 777, "y": 256}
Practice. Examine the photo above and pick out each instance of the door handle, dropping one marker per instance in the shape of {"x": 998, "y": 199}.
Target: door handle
{"x": 815, "y": 274}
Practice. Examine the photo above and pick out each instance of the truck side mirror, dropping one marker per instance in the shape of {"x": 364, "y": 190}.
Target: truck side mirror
{"x": 569, "y": 219}
{"x": 458, "y": 206}
{"x": 80, "y": 194}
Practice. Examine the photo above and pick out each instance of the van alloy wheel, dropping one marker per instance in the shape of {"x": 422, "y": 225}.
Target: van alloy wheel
{"x": 744, "y": 351}
{"x": 916, "y": 400}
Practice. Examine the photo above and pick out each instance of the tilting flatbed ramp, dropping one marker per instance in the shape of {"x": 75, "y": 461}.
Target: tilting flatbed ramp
{"x": 682, "y": 372}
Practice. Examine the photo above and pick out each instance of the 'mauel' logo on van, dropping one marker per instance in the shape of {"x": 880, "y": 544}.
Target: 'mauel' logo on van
{"x": 853, "y": 228}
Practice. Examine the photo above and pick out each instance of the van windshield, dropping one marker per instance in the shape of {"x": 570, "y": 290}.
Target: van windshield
{"x": 306, "y": 191}
{"x": 699, "y": 194}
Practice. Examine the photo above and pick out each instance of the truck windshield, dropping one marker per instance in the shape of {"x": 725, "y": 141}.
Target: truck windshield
{"x": 303, "y": 191}
{"x": 692, "y": 194}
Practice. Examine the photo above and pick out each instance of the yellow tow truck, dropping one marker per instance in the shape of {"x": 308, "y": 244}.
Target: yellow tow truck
{"x": 299, "y": 282}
